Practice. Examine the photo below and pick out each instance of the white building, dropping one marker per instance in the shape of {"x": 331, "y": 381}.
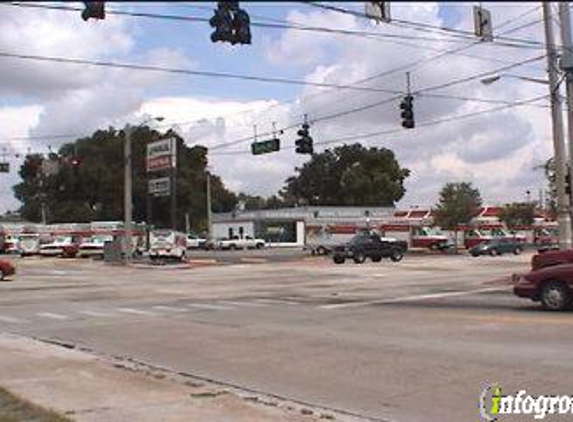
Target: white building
{"x": 289, "y": 226}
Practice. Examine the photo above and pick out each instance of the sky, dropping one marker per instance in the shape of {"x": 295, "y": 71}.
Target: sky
{"x": 497, "y": 151}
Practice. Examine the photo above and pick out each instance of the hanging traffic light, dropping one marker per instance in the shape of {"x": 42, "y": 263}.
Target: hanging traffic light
{"x": 242, "y": 27}
{"x": 222, "y": 22}
{"x": 407, "y": 107}
{"x": 232, "y": 24}
{"x": 94, "y": 9}
{"x": 304, "y": 143}
{"x": 568, "y": 181}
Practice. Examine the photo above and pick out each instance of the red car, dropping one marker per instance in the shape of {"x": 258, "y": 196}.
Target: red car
{"x": 551, "y": 285}
{"x": 6, "y": 269}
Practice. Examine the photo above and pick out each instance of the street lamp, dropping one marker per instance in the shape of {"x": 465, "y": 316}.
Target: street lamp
{"x": 490, "y": 80}
{"x": 128, "y": 193}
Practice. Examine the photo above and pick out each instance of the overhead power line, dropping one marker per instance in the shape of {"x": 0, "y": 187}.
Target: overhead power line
{"x": 420, "y": 26}
{"x": 399, "y": 130}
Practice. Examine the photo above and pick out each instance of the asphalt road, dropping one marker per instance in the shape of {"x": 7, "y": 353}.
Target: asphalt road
{"x": 412, "y": 341}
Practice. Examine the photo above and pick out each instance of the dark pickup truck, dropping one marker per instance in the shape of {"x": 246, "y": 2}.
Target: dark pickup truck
{"x": 371, "y": 246}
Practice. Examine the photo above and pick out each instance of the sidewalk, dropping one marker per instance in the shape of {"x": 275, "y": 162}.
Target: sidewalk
{"x": 87, "y": 388}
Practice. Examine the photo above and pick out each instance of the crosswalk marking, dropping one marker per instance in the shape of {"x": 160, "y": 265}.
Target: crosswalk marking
{"x": 137, "y": 311}
{"x": 276, "y": 302}
{"x": 411, "y": 298}
{"x": 209, "y": 307}
{"x": 248, "y": 304}
{"x": 169, "y": 308}
{"x": 52, "y": 316}
{"x": 12, "y": 320}
{"x": 97, "y": 313}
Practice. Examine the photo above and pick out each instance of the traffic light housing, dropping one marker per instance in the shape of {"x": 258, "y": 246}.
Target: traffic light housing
{"x": 93, "y": 9}
{"x": 568, "y": 181}
{"x": 304, "y": 143}
{"x": 232, "y": 24}
{"x": 407, "y": 107}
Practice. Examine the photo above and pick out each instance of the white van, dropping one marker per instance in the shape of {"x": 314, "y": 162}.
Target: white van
{"x": 167, "y": 244}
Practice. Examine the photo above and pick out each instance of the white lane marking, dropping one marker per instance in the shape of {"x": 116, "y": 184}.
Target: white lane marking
{"x": 52, "y": 315}
{"x": 411, "y": 298}
{"x": 12, "y": 320}
{"x": 276, "y": 302}
{"x": 209, "y": 307}
{"x": 249, "y": 304}
{"x": 137, "y": 311}
{"x": 169, "y": 308}
{"x": 97, "y": 313}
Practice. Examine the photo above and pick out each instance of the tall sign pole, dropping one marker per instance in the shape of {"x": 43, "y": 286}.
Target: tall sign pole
{"x": 127, "y": 193}
{"x": 557, "y": 126}
{"x": 173, "y": 183}
{"x": 567, "y": 67}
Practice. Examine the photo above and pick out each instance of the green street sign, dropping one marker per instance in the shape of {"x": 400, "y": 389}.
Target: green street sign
{"x": 264, "y": 147}
{"x": 4, "y": 167}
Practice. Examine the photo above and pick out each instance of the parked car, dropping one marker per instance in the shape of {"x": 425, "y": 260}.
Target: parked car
{"x": 498, "y": 246}
{"x": 371, "y": 246}
{"x": 94, "y": 245}
{"x": 552, "y": 286}
{"x": 237, "y": 242}
{"x": 29, "y": 244}
{"x": 195, "y": 241}
{"x": 6, "y": 269}
{"x": 167, "y": 244}
{"x": 64, "y": 246}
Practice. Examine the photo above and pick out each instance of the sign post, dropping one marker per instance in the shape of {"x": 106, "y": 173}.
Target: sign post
{"x": 162, "y": 157}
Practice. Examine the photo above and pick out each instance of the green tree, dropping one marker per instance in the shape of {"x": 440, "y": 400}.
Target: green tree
{"x": 518, "y": 214}
{"x": 93, "y": 190}
{"x": 347, "y": 175}
{"x": 458, "y": 203}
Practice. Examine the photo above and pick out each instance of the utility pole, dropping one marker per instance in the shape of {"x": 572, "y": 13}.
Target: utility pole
{"x": 557, "y": 128}
{"x": 209, "y": 204}
{"x": 566, "y": 63}
{"x": 173, "y": 183}
{"x": 127, "y": 194}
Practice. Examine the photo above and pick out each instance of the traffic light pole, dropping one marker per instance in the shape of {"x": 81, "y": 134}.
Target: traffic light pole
{"x": 565, "y": 21}
{"x": 127, "y": 194}
{"x": 557, "y": 128}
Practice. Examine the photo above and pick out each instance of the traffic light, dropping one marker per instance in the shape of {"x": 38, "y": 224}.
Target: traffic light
{"x": 232, "y": 24}
{"x": 222, "y": 21}
{"x": 407, "y": 107}
{"x": 304, "y": 143}
{"x": 94, "y": 9}
{"x": 242, "y": 27}
{"x": 568, "y": 181}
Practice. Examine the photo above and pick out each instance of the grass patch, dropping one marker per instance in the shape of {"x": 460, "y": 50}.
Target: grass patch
{"x": 16, "y": 409}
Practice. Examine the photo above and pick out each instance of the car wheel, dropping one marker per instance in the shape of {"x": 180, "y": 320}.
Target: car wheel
{"x": 376, "y": 258}
{"x": 259, "y": 246}
{"x": 359, "y": 258}
{"x": 494, "y": 252}
{"x": 233, "y": 247}
{"x": 338, "y": 259}
{"x": 474, "y": 254}
{"x": 2, "y": 275}
{"x": 555, "y": 296}
{"x": 396, "y": 256}
{"x": 517, "y": 251}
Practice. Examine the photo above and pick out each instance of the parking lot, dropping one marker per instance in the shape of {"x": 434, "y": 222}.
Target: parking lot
{"x": 410, "y": 341}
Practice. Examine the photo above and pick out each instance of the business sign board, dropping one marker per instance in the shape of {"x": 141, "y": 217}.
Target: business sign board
{"x": 160, "y": 186}
{"x": 161, "y": 155}
{"x": 4, "y": 167}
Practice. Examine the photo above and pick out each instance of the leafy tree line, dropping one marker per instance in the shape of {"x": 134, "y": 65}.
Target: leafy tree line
{"x": 88, "y": 182}
{"x": 92, "y": 189}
